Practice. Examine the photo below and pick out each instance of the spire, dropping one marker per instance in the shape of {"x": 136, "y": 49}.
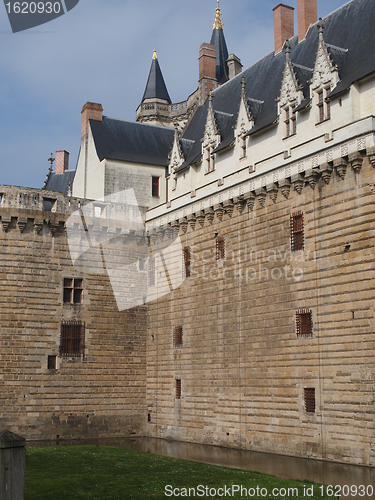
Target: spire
{"x": 218, "y": 22}
{"x": 156, "y": 88}
{"x": 221, "y": 50}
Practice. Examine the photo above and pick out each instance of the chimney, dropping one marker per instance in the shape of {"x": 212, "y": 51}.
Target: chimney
{"x": 62, "y": 162}
{"x": 234, "y": 66}
{"x": 207, "y": 71}
{"x": 307, "y": 14}
{"x": 90, "y": 111}
{"x": 283, "y": 18}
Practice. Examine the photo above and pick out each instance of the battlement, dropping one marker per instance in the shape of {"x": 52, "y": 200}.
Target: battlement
{"x": 38, "y": 200}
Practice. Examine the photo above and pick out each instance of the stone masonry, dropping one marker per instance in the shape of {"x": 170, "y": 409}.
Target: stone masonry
{"x": 241, "y": 373}
{"x": 46, "y": 395}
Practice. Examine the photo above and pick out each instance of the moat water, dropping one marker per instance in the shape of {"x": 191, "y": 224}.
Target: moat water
{"x": 303, "y": 469}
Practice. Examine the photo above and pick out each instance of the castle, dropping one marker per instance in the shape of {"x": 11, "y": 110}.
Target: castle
{"x": 256, "y": 195}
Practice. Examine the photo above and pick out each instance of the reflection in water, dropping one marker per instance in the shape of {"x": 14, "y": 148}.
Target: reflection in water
{"x": 276, "y": 465}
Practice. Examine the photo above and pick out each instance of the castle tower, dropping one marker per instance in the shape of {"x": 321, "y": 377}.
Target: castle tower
{"x": 155, "y": 105}
{"x": 156, "y": 88}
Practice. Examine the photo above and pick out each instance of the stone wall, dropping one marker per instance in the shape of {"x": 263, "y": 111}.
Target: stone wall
{"x": 242, "y": 368}
{"x": 98, "y": 393}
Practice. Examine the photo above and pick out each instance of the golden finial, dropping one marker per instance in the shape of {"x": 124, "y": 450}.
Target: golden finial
{"x": 155, "y": 56}
{"x": 218, "y": 22}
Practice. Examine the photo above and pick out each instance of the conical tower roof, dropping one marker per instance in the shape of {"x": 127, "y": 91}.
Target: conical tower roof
{"x": 221, "y": 50}
{"x": 156, "y": 88}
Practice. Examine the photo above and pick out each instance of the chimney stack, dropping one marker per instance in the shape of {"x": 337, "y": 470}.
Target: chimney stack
{"x": 307, "y": 15}
{"x": 90, "y": 111}
{"x": 283, "y": 17}
{"x": 207, "y": 71}
{"x": 62, "y": 162}
{"x": 234, "y": 66}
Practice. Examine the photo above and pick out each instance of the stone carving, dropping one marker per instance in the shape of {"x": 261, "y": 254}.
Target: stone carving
{"x": 340, "y": 165}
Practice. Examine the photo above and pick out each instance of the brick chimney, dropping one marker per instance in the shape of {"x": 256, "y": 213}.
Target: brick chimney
{"x": 307, "y": 14}
{"x": 90, "y": 111}
{"x": 207, "y": 71}
{"x": 62, "y": 162}
{"x": 283, "y": 18}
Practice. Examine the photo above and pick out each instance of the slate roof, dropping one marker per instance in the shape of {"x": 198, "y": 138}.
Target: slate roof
{"x": 132, "y": 141}
{"x": 218, "y": 40}
{"x": 59, "y": 182}
{"x": 350, "y": 36}
{"x": 156, "y": 87}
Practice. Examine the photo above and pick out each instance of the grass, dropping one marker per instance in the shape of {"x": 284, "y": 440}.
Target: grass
{"x": 107, "y": 473}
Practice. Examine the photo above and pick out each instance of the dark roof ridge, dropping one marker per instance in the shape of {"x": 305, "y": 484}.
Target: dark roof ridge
{"x": 255, "y": 100}
{"x": 302, "y": 67}
{"x": 334, "y": 11}
{"x": 335, "y": 47}
{"x": 137, "y": 123}
{"x": 223, "y": 113}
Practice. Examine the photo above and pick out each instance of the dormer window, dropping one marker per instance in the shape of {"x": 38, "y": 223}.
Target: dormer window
{"x": 324, "y": 105}
{"x": 290, "y": 121}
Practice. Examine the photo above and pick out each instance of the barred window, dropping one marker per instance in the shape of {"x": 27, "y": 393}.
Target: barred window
{"x": 309, "y": 394}
{"x": 186, "y": 264}
{"x": 220, "y": 248}
{"x": 177, "y": 335}
{"x": 73, "y": 289}
{"x": 72, "y": 339}
{"x": 178, "y": 388}
{"x": 297, "y": 238}
{"x": 304, "y": 323}
{"x": 151, "y": 271}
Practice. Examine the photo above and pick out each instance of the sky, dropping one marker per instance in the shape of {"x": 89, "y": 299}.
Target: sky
{"x": 101, "y": 51}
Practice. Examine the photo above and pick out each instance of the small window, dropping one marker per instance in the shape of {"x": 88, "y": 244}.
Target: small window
{"x": 243, "y": 146}
{"x": 155, "y": 187}
{"x": 210, "y": 159}
{"x": 73, "y": 289}
{"x": 142, "y": 264}
{"x": 324, "y": 105}
{"x": 178, "y": 389}
{"x": 304, "y": 323}
{"x": 49, "y": 205}
{"x": 51, "y": 362}
{"x": 290, "y": 121}
{"x": 177, "y": 335}
{"x": 220, "y": 248}
{"x": 297, "y": 232}
{"x": 309, "y": 393}
{"x": 72, "y": 339}
{"x": 187, "y": 263}
{"x": 151, "y": 271}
